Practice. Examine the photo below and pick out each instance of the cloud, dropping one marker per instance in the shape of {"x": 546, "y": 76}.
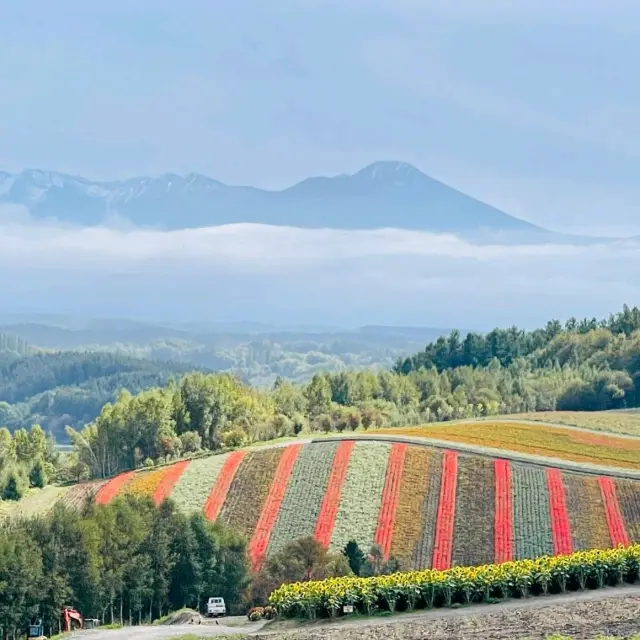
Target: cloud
{"x": 289, "y": 275}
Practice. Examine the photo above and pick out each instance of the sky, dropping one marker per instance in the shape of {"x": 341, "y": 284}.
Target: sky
{"x": 529, "y": 105}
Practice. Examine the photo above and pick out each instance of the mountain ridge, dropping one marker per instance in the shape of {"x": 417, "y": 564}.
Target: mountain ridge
{"x": 382, "y": 194}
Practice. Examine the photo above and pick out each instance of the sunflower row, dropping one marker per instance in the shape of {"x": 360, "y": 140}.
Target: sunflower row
{"x": 432, "y": 588}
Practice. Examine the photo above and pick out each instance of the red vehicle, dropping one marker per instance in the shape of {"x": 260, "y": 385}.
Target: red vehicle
{"x": 71, "y": 620}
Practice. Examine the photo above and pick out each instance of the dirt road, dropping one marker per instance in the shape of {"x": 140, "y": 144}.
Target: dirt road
{"x": 582, "y": 616}
{"x": 233, "y": 626}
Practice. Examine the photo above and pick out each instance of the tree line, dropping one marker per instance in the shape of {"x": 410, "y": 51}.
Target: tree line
{"x": 131, "y": 562}
{"x": 124, "y": 563}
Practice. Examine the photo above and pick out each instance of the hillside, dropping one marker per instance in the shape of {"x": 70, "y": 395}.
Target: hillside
{"x": 384, "y": 194}
{"x": 256, "y": 355}
{"x": 59, "y": 389}
{"x": 425, "y": 506}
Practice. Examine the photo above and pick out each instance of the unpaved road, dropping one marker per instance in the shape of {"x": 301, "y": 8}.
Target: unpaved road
{"x": 582, "y": 616}
{"x": 227, "y": 627}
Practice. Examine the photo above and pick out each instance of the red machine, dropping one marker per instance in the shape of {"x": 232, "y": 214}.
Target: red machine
{"x": 72, "y": 620}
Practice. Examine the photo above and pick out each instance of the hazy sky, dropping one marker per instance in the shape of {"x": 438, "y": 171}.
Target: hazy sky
{"x": 294, "y": 276}
{"x": 531, "y": 105}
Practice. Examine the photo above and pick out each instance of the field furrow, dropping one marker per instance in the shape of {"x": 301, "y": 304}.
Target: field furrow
{"x": 585, "y": 507}
{"x": 445, "y": 520}
{"x": 273, "y": 501}
{"x": 331, "y": 502}
{"x": 249, "y": 490}
{"x": 503, "y": 534}
{"x": 357, "y": 515}
{"x": 301, "y": 504}
{"x": 473, "y": 537}
{"x": 423, "y": 555}
{"x": 414, "y": 486}
{"x": 532, "y": 528}
{"x": 560, "y": 528}
{"x": 390, "y": 495}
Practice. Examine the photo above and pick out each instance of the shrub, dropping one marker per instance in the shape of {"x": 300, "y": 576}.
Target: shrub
{"x": 234, "y": 438}
{"x": 148, "y": 463}
{"x": 38, "y": 475}
{"x": 191, "y": 442}
{"x": 14, "y": 484}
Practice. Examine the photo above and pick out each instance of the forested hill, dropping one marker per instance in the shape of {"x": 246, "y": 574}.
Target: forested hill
{"x": 554, "y": 343}
{"x": 70, "y": 388}
{"x": 14, "y": 346}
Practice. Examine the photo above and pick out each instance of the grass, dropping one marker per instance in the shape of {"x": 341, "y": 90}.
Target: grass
{"x": 624, "y": 422}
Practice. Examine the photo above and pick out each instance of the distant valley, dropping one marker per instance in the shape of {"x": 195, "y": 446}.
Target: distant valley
{"x": 59, "y": 371}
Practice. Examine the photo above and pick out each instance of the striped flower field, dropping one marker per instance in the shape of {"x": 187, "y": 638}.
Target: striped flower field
{"x": 429, "y": 508}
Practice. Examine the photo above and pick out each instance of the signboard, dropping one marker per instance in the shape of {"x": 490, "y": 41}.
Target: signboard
{"x": 347, "y": 608}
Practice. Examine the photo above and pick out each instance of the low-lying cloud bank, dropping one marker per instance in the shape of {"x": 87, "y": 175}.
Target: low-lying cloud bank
{"x": 276, "y": 273}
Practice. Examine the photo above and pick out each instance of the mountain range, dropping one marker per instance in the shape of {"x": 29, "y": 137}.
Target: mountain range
{"x": 383, "y": 194}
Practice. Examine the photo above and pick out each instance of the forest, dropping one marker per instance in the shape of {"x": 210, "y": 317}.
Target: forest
{"x": 122, "y": 563}
{"x": 583, "y": 365}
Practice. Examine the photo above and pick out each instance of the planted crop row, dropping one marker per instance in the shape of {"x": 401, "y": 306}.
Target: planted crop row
{"x": 80, "y": 494}
{"x": 300, "y": 507}
{"x": 461, "y": 584}
{"x": 194, "y": 485}
{"x": 612, "y": 511}
{"x": 587, "y": 521}
{"x": 390, "y": 496}
{"x": 218, "y": 493}
{"x": 503, "y": 534}
{"x": 560, "y": 528}
{"x": 536, "y": 439}
{"x": 249, "y": 489}
{"x": 111, "y": 488}
{"x": 361, "y": 495}
{"x": 629, "y": 498}
{"x": 273, "y": 502}
{"x": 474, "y": 532}
{"x": 416, "y": 478}
{"x": 331, "y": 501}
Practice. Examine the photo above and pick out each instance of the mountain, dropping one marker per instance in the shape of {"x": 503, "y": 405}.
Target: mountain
{"x": 384, "y": 194}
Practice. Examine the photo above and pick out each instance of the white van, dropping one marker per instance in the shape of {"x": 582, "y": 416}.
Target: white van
{"x": 216, "y": 607}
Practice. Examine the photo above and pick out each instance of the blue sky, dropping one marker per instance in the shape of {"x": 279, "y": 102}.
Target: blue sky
{"x": 528, "y": 105}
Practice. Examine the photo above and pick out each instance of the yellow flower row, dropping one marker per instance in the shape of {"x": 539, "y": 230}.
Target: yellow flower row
{"x": 429, "y": 587}
{"x": 537, "y": 439}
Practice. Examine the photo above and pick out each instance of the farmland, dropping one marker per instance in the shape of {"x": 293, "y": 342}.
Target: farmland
{"x": 572, "y": 445}
{"x": 623, "y": 422}
{"x": 427, "y": 507}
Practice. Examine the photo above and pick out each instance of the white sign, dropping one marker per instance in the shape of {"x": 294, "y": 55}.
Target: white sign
{"x": 347, "y": 608}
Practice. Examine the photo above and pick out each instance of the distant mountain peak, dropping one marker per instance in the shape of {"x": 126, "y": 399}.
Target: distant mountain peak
{"x": 384, "y": 194}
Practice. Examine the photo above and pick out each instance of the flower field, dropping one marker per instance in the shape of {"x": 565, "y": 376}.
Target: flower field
{"x": 428, "y": 508}
{"x": 537, "y": 439}
{"x": 426, "y": 589}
